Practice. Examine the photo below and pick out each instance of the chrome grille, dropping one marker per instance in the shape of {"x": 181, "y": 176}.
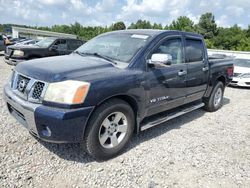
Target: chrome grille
{"x": 38, "y": 89}
{"x": 22, "y": 83}
{"x": 28, "y": 88}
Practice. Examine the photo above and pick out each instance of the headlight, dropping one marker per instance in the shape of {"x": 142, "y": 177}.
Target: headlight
{"x": 246, "y": 75}
{"x": 67, "y": 92}
{"x": 18, "y": 53}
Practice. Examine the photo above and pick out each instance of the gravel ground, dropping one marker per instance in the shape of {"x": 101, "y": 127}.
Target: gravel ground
{"x": 199, "y": 149}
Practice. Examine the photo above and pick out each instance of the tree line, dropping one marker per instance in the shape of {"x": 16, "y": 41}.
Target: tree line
{"x": 232, "y": 38}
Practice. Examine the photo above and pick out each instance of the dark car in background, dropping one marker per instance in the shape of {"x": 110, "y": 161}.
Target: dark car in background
{"x": 2, "y": 45}
{"x": 27, "y": 42}
{"x": 45, "y": 48}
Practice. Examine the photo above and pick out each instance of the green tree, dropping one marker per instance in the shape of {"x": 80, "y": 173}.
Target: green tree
{"x": 229, "y": 38}
{"x": 141, "y": 24}
{"x": 118, "y": 26}
{"x": 182, "y": 23}
{"x": 248, "y": 31}
{"x": 75, "y": 28}
{"x": 157, "y": 26}
{"x": 166, "y": 27}
{"x": 207, "y": 26}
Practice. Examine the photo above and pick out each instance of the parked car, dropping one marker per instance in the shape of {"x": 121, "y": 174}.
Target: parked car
{"x": 114, "y": 85}
{"x": 23, "y": 43}
{"x": 44, "y": 48}
{"x": 241, "y": 73}
{"x": 2, "y": 44}
{"x": 7, "y": 39}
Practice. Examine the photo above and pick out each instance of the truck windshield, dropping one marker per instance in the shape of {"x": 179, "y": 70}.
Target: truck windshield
{"x": 116, "y": 46}
{"x": 45, "y": 43}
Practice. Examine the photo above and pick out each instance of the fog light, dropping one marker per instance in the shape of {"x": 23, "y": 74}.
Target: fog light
{"x": 46, "y": 131}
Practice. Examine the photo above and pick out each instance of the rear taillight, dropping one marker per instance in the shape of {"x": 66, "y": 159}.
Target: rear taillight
{"x": 230, "y": 71}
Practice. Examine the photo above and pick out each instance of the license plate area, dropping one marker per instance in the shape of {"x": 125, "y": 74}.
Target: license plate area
{"x": 18, "y": 115}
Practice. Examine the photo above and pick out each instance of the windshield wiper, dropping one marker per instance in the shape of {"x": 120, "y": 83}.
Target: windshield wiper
{"x": 100, "y": 56}
{"x": 79, "y": 53}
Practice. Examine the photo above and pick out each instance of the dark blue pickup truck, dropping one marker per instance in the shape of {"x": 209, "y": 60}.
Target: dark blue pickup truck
{"x": 117, "y": 84}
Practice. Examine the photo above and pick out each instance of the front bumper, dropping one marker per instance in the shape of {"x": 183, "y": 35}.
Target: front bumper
{"x": 48, "y": 123}
{"x": 12, "y": 61}
{"x": 241, "y": 82}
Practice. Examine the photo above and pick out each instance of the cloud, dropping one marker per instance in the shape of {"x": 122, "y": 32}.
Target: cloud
{"x": 106, "y": 12}
{"x": 53, "y": 2}
{"x": 235, "y": 10}
{"x": 106, "y": 5}
{"x": 223, "y": 21}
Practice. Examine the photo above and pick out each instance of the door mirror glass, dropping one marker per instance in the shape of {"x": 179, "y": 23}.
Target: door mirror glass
{"x": 164, "y": 59}
{"x": 54, "y": 48}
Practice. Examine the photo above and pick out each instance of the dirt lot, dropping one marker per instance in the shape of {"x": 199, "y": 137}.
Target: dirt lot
{"x": 199, "y": 149}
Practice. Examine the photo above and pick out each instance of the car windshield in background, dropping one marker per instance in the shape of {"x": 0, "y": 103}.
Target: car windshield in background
{"x": 118, "y": 47}
{"x": 242, "y": 62}
{"x": 45, "y": 42}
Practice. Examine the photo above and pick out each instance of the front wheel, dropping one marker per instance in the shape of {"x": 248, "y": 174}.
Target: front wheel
{"x": 109, "y": 129}
{"x": 214, "y": 102}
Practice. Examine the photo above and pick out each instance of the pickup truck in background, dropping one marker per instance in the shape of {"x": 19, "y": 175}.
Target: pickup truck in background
{"x": 116, "y": 84}
{"x": 47, "y": 47}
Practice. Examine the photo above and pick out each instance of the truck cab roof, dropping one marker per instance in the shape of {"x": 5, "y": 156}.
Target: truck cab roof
{"x": 155, "y": 32}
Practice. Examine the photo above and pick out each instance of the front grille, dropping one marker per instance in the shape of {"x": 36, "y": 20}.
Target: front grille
{"x": 38, "y": 89}
{"x": 28, "y": 88}
{"x": 22, "y": 83}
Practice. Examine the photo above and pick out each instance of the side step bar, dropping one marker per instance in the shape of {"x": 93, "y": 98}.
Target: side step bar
{"x": 168, "y": 117}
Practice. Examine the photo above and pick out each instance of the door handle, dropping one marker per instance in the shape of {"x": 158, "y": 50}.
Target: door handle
{"x": 182, "y": 73}
{"x": 204, "y": 69}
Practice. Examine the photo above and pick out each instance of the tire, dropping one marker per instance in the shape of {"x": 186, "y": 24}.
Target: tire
{"x": 214, "y": 101}
{"x": 109, "y": 129}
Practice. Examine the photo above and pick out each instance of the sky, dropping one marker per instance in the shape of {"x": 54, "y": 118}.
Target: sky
{"x": 106, "y": 12}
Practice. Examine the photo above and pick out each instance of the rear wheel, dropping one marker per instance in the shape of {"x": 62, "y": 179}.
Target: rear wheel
{"x": 214, "y": 102}
{"x": 109, "y": 129}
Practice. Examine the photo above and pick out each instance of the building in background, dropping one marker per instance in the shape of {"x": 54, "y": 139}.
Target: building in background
{"x": 18, "y": 32}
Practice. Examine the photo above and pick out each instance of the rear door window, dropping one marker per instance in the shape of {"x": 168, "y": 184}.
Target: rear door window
{"x": 74, "y": 44}
{"x": 194, "y": 50}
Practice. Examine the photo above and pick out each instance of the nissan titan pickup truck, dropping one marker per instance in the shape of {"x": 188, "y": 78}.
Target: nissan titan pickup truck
{"x": 116, "y": 84}
{"x": 51, "y": 46}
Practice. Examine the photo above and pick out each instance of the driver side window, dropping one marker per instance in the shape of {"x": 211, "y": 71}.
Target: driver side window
{"x": 61, "y": 44}
{"x": 172, "y": 47}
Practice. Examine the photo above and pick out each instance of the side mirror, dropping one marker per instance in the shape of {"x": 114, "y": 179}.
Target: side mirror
{"x": 54, "y": 48}
{"x": 161, "y": 59}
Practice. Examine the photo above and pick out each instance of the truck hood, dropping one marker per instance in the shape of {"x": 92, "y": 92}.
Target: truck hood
{"x": 23, "y": 47}
{"x": 54, "y": 69}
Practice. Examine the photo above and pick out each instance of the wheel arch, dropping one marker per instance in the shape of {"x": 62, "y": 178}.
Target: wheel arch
{"x": 212, "y": 84}
{"x": 127, "y": 98}
{"x": 221, "y": 79}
